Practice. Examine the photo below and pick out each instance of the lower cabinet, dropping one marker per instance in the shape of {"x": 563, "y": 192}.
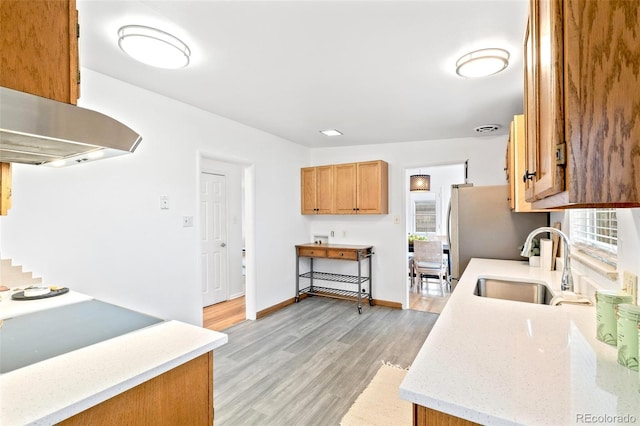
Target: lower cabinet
{"x": 423, "y": 416}
{"x": 181, "y": 396}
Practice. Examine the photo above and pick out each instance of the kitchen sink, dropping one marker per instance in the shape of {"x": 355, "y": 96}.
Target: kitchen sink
{"x": 519, "y": 291}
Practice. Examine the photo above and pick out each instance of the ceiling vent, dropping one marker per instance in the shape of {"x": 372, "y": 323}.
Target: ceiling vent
{"x": 487, "y": 128}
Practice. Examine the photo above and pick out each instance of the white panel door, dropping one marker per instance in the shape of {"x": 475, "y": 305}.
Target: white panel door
{"x": 215, "y": 279}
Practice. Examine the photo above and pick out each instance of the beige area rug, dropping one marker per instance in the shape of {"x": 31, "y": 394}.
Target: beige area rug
{"x": 379, "y": 404}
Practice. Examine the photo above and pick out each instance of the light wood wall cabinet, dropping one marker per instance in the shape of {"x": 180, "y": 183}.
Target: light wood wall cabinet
{"x": 516, "y": 165}
{"x": 38, "y": 55}
{"x": 317, "y": 190}
{"x": 352, "y": 188}
{"x": 581, "y": 108}
{"x": 361, "y": 188}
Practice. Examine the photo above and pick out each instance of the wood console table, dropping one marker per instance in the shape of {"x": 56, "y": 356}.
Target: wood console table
{"x": 355, "y": 253}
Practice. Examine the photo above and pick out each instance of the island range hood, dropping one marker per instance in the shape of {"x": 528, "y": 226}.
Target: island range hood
{"x": 41, "y": 131}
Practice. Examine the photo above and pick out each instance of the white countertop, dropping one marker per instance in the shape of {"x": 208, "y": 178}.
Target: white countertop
{"x": 499, "y": 362}
{"x": 52, "y": 390}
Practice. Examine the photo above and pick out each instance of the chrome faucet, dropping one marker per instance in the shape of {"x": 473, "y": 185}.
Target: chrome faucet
{"x": 567, "y": 281}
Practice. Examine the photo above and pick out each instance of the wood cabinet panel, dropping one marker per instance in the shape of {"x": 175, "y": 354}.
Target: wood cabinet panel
{"x": 362, "y": 188}
{"x": 345, "y": 187}
{"x": 5, "y": 188}
{"x": 312, "y": 252}
{"x": 586, "y": 75}
{"x": 530, "y": 112}
{"x": 342, "y": 254}
{"x": 39, "y": 48}
{"x": 372, "y": 188}
{"x": 516, "y": 167}
{"x": 182, "y": 396}
{"x": 602, "y": 59}
{"x": 547, "y": 49}
{"x": 423, "y": 416}
{"x": 317, "y": 190}
{"x": 351, "y": 188}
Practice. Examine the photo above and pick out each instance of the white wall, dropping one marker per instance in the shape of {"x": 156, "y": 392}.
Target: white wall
{"x": 486, "y": 157}
{"x": 98, "y": 228}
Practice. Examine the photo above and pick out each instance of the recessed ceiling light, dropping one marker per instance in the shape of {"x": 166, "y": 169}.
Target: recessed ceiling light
{"x": 330, "y": 132}
{"x": 153, "y": 47}
{"x": 481, "y": 63}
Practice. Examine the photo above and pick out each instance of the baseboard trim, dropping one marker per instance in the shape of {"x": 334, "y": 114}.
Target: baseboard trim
{"x": 387, "y": 303}
{"x": 268, "y": 311}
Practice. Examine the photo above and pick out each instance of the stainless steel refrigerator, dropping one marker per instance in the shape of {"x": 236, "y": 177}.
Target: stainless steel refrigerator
{"x": 481, "y": 224}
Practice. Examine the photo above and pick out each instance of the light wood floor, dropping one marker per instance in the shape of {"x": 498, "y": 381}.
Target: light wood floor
{"x": 223, "y": 315}
{"x": 307, "y": 363}
{"x": 428, "y": 297}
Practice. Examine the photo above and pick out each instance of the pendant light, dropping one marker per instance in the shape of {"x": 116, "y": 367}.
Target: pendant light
{"x": 420, "y": 183}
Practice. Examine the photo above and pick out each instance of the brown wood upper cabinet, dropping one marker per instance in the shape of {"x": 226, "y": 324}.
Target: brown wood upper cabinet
{"x": 39, "y": 40}
{"x": 353, "y": 188}
{"x": 582, "y": 126}
{"x": 362, "y": 188}
{"x": 317, "y": 190}
{"x": 516, "y": 166}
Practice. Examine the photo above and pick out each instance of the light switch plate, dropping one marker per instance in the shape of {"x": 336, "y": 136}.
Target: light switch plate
{"x": 164, "y": 202}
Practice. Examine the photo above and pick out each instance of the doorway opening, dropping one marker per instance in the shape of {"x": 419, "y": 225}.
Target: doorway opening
{"x": 224, "y": 188}
{"x": 426, "y": 219}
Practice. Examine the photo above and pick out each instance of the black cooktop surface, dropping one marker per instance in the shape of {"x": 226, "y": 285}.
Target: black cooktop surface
{"x": 35, "y": 337}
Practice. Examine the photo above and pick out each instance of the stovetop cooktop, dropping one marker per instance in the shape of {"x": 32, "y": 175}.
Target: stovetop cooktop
{"x": 37, "y": 336}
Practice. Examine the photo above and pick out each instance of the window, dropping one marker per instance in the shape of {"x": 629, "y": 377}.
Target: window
{"x": 425, "y": 216}
{"x": 595, "y": 231}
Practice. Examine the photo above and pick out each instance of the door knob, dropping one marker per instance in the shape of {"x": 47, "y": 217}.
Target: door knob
{"x": 223, "y": 244}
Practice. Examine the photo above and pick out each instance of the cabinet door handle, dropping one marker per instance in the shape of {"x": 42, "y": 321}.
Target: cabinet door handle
{"x": 528, "y": 176}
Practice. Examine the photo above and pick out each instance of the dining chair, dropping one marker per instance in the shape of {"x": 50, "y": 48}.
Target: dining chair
{"x": 429, "y": 260}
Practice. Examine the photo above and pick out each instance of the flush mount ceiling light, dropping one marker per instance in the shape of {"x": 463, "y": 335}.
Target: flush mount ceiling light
{"x": 331, "y": 132}
{"x": 483, "y": 62}
{"x": 420, "y": 183}
{"x": 153, "y": 47}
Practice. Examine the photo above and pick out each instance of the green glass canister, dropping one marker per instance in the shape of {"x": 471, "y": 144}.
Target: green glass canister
{"x": 606, "y": 302}
{"x": 627, "y": 323}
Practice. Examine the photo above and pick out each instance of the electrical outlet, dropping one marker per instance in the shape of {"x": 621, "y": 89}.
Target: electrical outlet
{"x": 629, "y": 279}
{"x": 187, "y": 221}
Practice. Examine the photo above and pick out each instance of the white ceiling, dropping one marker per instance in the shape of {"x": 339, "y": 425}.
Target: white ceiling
{"x": 378, "y": 71}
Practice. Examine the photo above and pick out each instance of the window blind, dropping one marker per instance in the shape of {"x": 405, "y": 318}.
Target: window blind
{"x": 425, "y": 216}
{"x": 595, "y": 230}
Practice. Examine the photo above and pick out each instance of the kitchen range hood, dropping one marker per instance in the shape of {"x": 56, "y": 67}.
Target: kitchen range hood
{"x": 41, "y": 131}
